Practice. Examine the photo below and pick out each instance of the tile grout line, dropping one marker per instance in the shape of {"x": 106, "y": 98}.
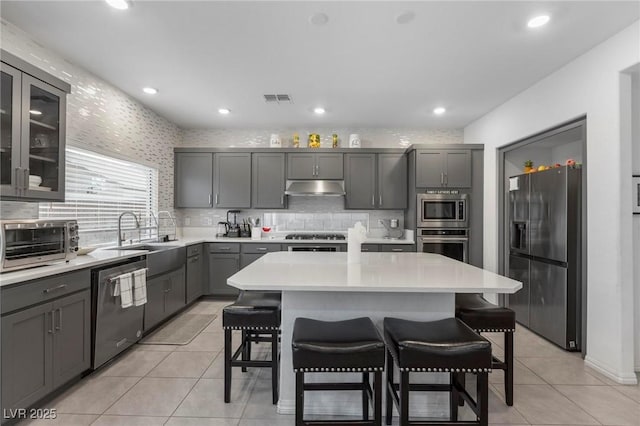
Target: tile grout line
{"x": 118, "y": 399}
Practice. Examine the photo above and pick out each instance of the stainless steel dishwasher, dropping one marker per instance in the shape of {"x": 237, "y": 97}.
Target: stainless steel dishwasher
{"x": 114, "y": 329}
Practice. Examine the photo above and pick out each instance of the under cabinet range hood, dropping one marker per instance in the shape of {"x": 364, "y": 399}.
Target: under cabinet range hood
{"x": 324, "y": 188}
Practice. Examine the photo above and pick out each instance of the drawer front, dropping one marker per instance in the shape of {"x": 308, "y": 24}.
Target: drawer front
{"x": 260, "y": 248}
{"x": 38, "y": 291}
{"x": 369, "y": 247}
{"x": 194, "y": 250}
{"x": 397, "y": 247}
{"x": 224, "y": 247}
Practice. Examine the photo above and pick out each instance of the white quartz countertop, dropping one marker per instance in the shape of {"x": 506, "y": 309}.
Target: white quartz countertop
{"x": 377, "y": 272}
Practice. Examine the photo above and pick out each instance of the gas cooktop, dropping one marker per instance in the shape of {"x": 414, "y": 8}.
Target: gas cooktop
{"x": 315, "y": 237}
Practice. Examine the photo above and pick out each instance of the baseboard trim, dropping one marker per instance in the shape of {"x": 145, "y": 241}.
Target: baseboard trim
{"x": 624, "y": 379}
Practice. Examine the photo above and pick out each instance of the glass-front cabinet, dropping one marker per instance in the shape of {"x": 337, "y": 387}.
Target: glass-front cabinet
{"x": 33, "y": 133}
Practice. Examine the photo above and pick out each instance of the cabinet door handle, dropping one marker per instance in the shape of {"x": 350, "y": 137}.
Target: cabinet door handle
{"x": 396, "y": 249}
{"x": 59, "y": 326}
{"x": 25, "y": 181}
{"x": 282, "y": 200}
{"x": 50, "y": 315}
{"x": 446, "y": 179}
{"x": 380, "y": 199}
{"x": 373, "y": 200}
{"x": 441, "y": 178}
{"x": 224, "y": 248}
{"x": 49, "y": 290}
{"x": 261, "y": 249}
{"x": 194, "y": 259}
{"x": 216, "y": 199}
{"x": 209, "y": 198}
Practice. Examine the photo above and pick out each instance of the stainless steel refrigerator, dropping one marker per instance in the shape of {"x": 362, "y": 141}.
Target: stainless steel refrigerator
{"x": 545, "y": 250}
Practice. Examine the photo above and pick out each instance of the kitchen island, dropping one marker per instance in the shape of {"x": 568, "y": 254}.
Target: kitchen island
{"x": 415, "y": 286}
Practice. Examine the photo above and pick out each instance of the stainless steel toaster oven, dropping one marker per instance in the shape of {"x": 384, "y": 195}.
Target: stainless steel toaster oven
{"x": 29, "y": 243}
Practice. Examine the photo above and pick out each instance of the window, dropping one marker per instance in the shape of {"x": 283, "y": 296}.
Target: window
{"x": 98, "y": 190}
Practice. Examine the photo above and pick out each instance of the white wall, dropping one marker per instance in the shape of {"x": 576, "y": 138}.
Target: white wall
{"x": 635, "y": 138}
{"x": 589, "y": 85}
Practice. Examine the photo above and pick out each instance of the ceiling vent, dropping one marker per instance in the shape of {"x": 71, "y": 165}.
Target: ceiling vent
{"x": 279, "y": 98}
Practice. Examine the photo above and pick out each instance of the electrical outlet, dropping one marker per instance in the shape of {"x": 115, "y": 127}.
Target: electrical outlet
{"x": 207, "y": 221}
{"x": 187, "y": 221}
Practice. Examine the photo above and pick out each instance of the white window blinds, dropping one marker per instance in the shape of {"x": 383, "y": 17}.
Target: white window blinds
{"x": 98, "y": 189}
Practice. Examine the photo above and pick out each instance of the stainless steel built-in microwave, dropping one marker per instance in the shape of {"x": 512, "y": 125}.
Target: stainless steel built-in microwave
{"x": 443, "y": 210}
{"x": 28, "y": 243}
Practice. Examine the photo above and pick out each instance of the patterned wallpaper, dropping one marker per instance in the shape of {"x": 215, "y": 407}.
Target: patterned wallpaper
{"x": 100, "y": 118}
{"x": 370, "y": 137}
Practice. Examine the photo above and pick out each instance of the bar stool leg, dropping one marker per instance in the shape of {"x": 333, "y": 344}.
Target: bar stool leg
{"x": 454, "y": 398}
{"x": 299, "y": 399}
{"x": 227, "y": 365}
{"x": 377, "y": 398}
{"x": 508, "y": 373}
{"x": 389, "y": 401}
{"x": 245, "y": 346}
{"x": 274, "y": 366}
{"x": 462, "y": 379}
{"x": 482, "y": 392}
{"x": 365, "y": 396}
{"x": 404, "y": 398}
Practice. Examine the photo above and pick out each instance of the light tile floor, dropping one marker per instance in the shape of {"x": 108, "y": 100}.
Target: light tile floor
{"x": 180, "y": 386}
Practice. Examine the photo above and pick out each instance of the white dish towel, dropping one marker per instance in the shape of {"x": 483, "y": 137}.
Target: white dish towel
{"x": 139, "y": 287}
{"x": 122, "y": 287}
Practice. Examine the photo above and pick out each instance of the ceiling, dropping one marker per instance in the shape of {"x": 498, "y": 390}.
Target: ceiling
{"x": 363, "y": 67}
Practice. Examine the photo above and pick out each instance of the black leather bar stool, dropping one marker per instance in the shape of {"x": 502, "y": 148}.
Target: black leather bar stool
{"x": 483, "y": 316}
{"x": 257, "y": 314}
{"x": 447, "y": 345}
{"x": 339, "y": 346}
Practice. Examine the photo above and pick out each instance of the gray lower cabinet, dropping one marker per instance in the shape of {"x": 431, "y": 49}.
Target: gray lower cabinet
{"x": 248, "y": 258}
{"x": 443, "y": 168}
{"x": 232, "y": 180}
{"x": 165, "y": 296}
{"x": 193, "y": 181}
{"x": 221, "y": 267}
{"x": 43, "y": 347}
{"x": 397, "y": 247}
{"x": 195, "y": 275}
{"x": 369, "y": 247}
{"x": 250, "y": 252}
{"x": 268, "y": 181}
{"x": 376, "y": 181}
{"x": 315, "y": 166}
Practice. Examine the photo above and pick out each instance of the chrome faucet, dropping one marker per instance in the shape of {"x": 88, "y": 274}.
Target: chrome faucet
{"x": 120, "y": 235}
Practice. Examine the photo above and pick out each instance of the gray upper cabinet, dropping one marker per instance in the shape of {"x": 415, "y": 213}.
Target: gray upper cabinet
{"x": 268, "y": 175}
{"x": 33, "y": 128}
{"x": 360, "y": 181}
{"x": 232, "y": 180}
{"x": 376, "y": 181}
{"x": 443, "y": 168}
{"x": 315, "y": 166}
{"x": 392, "y": 181}
{"x": 193, "y": 179}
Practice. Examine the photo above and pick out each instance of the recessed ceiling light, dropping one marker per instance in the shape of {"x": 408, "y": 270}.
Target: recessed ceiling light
{"x": 224, "y": 111}
{"x": 118, "y": 4}
{"x": 35, "y": 112}
{"x": 538, "y": 21}
{"x": 319, "y": 19}
{"x": 439, "y": 110}
{"x": 319, "y": 110}
{"x": 405, "y": 17}
{"x": 150, "y": 90}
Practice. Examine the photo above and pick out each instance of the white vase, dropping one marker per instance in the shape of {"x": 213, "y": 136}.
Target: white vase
{"x": 354, "y": 140}
{"x": 275, "y": 141}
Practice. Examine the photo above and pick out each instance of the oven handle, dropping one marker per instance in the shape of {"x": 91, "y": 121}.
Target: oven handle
{"x": 444, "y": 239}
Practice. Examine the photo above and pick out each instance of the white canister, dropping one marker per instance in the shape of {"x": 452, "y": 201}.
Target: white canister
{"x": 354, "y": 140}
{"x": 275, "y": 141}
